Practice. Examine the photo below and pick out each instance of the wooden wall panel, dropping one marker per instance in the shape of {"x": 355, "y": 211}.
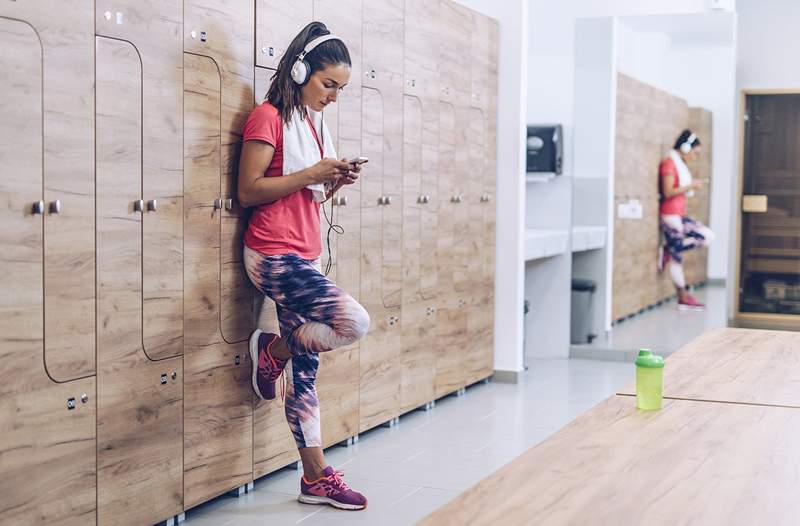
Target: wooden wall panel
{"x": 648, "y": 121}
{"x": 43, "y": 443}
{"x": 277, "y": 23}
{"x": 339, "y": 374}
{"x": 154, "y": 28}
{"x": 224, "y": 31}
{"x": 218, "y": 400}
{"x": 140, "y": 406}
{"x": 67, "y": 43}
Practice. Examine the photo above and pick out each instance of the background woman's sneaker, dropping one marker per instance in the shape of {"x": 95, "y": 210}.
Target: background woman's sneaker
{"x": 331, "y": 490}
{"x": 266, "y": 369}
{"x": 689, "y": 302}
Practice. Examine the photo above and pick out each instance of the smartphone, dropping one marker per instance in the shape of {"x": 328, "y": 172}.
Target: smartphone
{"x": 359, "y": 160}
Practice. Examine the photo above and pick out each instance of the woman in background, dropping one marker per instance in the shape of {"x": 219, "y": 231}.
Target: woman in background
{"x": 681, "y": 232}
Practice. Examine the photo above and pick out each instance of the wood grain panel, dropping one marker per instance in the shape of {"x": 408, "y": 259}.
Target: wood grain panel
{"x": 42, "y": 442}
{"x": 140, "y": 409}
{"x": 706, "y": 463}
{"x": 224, "y": 31}
{"x": 67, "y": 41}
{"x": 154, "y": 28}
{"x": 339, "y": 372}
{"x": 379, "y": 356}
{"x": 277, "y": 23}
{"x": 218, "y": 400}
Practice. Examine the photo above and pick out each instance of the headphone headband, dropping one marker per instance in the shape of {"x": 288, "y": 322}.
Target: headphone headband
{"x": 314, "y": 43}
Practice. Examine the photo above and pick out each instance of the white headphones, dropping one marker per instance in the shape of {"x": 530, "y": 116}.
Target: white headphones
{"x": 686, "y": 147}
{"x": 301, "y": 70}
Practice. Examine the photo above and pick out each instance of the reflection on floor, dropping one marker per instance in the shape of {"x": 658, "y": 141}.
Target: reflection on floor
{"x": 663, "y": 329}
{"x": 430, "y": 457}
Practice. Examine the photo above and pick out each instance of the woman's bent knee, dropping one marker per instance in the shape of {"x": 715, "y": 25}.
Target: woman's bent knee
{"x": 355, "y": 322}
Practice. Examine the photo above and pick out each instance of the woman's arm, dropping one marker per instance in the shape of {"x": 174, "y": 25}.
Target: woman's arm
{"x": 255, "y": 189}
{"x": 670, "y": 189}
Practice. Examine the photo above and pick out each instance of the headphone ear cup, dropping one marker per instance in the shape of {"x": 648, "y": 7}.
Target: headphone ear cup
{"x": 686, "y": 147}
{"x": 300, "y": 72}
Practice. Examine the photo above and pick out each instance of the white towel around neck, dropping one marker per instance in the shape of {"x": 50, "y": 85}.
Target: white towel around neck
{"x": 300, "y": 148}
{"x": 684, "y": 174}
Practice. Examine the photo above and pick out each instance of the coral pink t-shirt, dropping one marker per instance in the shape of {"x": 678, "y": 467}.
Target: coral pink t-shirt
{"x": 290, "y": 225}
{"x": 675, "y": 205}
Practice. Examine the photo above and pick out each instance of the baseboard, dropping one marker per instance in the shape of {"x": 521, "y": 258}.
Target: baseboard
{"x": 506, "y": 377}
{"x": 716, "y": 282}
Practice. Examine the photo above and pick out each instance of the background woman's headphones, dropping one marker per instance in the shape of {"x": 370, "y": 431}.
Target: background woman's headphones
{"x": 686, "y": 147}
{"x": 301, "y": 70}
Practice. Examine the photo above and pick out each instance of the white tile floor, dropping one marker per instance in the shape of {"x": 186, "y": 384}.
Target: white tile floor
{"x": 412, "y": 469}
{"x": 664, "y": 329}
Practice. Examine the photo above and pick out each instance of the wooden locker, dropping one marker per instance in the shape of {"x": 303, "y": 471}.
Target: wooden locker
{"x": 140, "y": 405}
{"x": 381, "y": 210}
{"x": 224, "y": 31}
{"x": 273, "y": 444}
{"x": 47, "y": 430}
{"x": 420, "y": 134}
{"x": 218, "y": 400}
{"x": 277, "y": 23}
{"x": 66, "y": 39}
{"x": 453, "y": 243}
{"x": 339, "y": 372}
{"x": 154, "y": 28}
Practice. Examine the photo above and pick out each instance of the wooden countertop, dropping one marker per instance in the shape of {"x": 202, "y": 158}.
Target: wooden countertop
{"x": 735, "y": 365}
{"x": 690, "y": 463}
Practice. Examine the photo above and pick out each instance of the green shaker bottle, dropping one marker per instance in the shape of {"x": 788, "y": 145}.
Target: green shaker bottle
{"x": 649, "y": 380}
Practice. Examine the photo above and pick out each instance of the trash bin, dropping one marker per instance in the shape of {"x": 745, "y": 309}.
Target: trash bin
{"x": 581, "y": 315}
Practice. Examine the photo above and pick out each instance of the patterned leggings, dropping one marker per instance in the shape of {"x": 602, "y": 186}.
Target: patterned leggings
{"x": 682, "y": 233}
{"x": 315, "y": 316}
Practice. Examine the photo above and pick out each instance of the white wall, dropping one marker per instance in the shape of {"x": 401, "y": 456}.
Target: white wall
{"x": 511, "y": 110}
{"x": 551, "y": 72}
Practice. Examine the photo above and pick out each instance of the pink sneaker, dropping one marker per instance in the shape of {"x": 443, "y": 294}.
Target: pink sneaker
{"x": 331, "y": 490}
{"x": 689, "y": 302}
{"x": 266, "y": 368}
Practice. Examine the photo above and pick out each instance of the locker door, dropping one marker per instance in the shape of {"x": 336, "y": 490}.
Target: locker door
{"x": 33, "y": 409}
{"x": 224, "y": 31}
{"x": 218, "y": 415}
{"x": 140, "y": 409}
{"x": 451, "y": 321}
{"x": 421, "y": 88}
{"x": 67, "y": 40}
{"x": 277, "y": 23}
{"x": 154, "y": 28}
{"x": 338, "y": 377}
{"x": 273, "y": 445}
{"x": 381, "y": 210}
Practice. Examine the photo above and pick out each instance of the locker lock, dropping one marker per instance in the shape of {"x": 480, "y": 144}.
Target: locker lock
{"x": 393, "y": 320}
{"x": 429, "y": 311}
{"x": 370, "y": 73}
{"x": 174, "y": 375}
{"x": 268, "y": 51}
{"x": 385, "y": 200}
{"x": 38, "y": 207}
{"x": 84, "y": 398}
{"x": 164, "y": 379}
{"x": 237, "y": 360}
{"x": 340, "y": 201}
{"x": 71, "y": 403}
{"x": 424, "y": 199}
{"x": 461, "y": 303}
{"x": 411, "y": 83}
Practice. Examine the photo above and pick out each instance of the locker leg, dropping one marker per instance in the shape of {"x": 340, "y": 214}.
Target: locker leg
{"x": 250, "y": 487}
{"x": 391, "y": 423}
{"x": 296, "y": 466}
{"x": 430, "y": 405}
{"x": 241, "y": 491}
{"x": 461, "y": 392}
{"x": 353, "y": 440}
{"x": 180, "y": 519}
{"x": 487, "y": 381}
{"x": 169, "y": 522}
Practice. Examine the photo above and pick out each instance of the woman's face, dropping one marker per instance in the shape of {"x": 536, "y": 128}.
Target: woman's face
{"x": 694, "y": 154}
{"x": 324, "y": 85}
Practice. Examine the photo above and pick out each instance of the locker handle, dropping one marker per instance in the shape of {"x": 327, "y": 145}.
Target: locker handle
{"x": 218, "y": 204}
{"x": 343, "y": 201}
{"x": 38, "y": 207}
{"x": 138, "y": 205}
{"x": 755, "y": 204}
{"x": 152, "y": 205}
{"x": 55, "y": 207}
{"x": 228, "y": 204}
{"x": 388, "y": 200}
